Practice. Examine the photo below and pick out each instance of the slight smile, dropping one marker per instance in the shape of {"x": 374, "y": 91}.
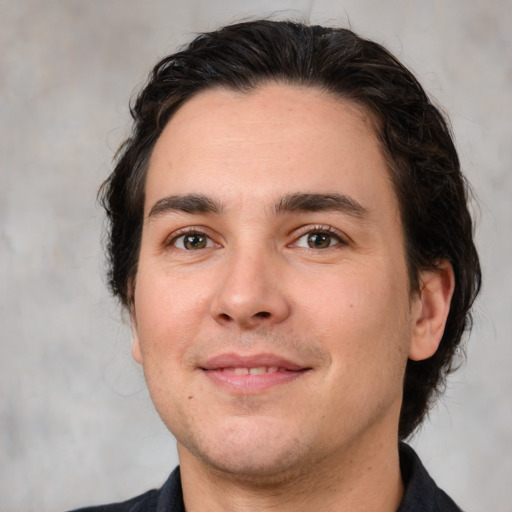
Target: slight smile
{"x": 251, "y": 375}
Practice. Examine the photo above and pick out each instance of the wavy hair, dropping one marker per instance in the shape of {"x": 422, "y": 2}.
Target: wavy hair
{"x": 414, "y": 136}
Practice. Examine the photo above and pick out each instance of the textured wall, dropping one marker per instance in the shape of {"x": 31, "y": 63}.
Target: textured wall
{"x": 77, "y": 426}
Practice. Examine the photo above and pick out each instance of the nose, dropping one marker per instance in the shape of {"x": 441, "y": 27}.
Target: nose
{"x": 250, "y": 293}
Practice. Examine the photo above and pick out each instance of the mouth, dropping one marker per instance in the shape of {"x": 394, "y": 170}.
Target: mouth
{"x": 251, "y": 375}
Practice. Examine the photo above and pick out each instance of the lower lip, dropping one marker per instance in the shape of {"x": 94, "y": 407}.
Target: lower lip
{"x": 251, "y": 384}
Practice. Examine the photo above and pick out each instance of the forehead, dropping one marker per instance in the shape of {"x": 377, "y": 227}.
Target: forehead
{"x": 274, "y": 140}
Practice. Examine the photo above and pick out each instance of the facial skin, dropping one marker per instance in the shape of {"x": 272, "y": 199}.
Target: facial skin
{"x": 272, "y": 238}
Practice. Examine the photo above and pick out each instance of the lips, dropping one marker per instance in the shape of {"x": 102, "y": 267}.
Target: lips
{"x": 258, "y": 370}
{"x": 253, "y": 374}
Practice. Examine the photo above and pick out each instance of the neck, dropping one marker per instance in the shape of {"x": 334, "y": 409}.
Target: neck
{"x": 366, "y": 478}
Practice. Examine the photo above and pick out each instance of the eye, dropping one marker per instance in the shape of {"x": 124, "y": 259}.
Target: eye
{"x": 192, "y": 241}
{"x": 318, "y": 239}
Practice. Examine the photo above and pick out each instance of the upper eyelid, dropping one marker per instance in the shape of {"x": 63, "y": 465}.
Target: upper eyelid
{"x": 324, "y": 228}
{"x": 295, "y": 234}
{"x": 178, "y": 233}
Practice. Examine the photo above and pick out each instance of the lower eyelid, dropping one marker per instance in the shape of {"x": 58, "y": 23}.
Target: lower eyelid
{"x": 181, "y": 238}
{"x": 338, "y": 238}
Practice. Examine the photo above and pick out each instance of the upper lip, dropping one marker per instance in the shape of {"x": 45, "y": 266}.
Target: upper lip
{"x": 232, "y": 360}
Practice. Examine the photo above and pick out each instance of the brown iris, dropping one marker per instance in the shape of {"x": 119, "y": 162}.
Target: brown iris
{"x": 319, "y": 240}
{"x": 194, "y": 241}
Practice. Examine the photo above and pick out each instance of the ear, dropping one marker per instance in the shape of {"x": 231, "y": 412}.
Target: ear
{"x": 431, "y": 307}
{"x": 136, "y": 351}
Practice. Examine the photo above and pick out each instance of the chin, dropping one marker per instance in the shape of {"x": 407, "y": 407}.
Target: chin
{"x": 251, "y": 454}
{"x": 263, "y": 469}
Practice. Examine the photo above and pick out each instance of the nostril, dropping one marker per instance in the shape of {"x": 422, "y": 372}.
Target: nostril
{"x": 262, "y": 314}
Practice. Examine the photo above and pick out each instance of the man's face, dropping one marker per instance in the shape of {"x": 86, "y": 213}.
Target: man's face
{"x": 272, "y": 312}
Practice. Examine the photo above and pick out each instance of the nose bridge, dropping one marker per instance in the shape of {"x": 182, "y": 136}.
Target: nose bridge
{"x": 250, "y": 293}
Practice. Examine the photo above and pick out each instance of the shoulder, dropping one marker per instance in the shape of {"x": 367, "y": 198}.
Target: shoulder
{"x": 421, "y": 492}
{"x": 143, "y": 503}
{"x": 169, "y": 498}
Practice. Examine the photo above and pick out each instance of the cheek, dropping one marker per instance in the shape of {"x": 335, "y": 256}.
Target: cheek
{"x": 168, "y": 312}
{"x": 367, "y": 332}
{"x": 362, "y": 316}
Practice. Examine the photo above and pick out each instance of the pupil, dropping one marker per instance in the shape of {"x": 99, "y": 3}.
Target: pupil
{"x": 195, "y": 241}
{"x": 319, "y": 240}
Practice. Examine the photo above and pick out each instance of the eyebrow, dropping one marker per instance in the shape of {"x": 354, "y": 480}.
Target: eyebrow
{"x": 302, "y": 202}
{"x": 190, "y": 203}
{"x": 290, "y": 203}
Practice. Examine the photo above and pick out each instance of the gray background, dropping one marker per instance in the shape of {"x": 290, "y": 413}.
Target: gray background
{"x": 77, "y": 426}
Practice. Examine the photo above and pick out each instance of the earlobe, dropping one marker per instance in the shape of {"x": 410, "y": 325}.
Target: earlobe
{"x": 432, "y": 306}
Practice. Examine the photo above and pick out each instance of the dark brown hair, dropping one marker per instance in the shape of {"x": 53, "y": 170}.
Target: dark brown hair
{"x": 415, "y": 138}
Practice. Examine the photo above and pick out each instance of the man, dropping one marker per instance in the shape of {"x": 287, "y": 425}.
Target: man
{"x": 290, "y": 234}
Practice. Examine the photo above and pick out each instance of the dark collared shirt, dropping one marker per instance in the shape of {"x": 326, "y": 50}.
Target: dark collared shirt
{"x": 421, "y": 493}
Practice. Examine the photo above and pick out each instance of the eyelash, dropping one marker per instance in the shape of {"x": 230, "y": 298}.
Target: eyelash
{"x": 192, "y": 230}
{"x": 306, "y": 230}
{"x": 322, "y": 229}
